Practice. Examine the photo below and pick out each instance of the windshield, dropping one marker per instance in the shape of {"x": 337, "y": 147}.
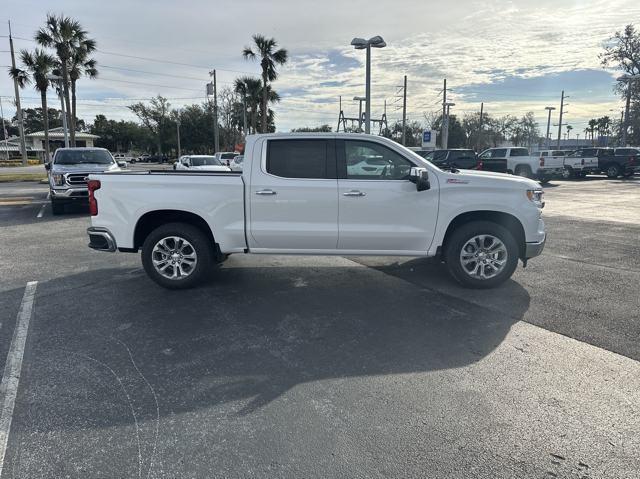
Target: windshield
{"x": 78, "y": 157}
{"x": 205, "y": 161}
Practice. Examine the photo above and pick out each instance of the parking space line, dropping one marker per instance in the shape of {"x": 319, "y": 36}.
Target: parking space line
{"x": 41, "y": 212}
{"x": 13, "y": 367}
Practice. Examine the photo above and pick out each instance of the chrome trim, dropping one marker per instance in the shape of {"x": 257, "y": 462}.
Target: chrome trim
{"x": 68, "y": 192}
{"x": 106, "y": 234}
{"x": 534, "y": 249}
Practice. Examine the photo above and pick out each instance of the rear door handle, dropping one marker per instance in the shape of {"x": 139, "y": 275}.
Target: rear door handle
{"x": 265, "y": 192}
{"x": 354, "y": 193}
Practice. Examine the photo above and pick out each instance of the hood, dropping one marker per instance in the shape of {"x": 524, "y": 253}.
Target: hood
{"x": 489, "y": 177}
{"x": 210, "y": 168}
{"x": 84, "y": 168}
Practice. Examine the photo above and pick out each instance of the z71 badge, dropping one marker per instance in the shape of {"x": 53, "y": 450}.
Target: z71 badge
{"x": 456, "y": 181}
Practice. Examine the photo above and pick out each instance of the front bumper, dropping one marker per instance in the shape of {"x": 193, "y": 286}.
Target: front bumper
{"x": 534, "y": 249}
{"x": 101, "y": 239}
{"x": 70, "y": 193}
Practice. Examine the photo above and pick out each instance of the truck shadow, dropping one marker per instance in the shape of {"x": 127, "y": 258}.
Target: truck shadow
{"x": 128, "y": 351}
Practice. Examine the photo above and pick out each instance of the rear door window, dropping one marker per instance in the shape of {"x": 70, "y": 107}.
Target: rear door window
{"x": 519, "y": 152}
{"x": 299, "y": 159}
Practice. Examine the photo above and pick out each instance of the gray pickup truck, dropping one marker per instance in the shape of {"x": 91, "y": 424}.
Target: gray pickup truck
{"x": 69, "y": 172}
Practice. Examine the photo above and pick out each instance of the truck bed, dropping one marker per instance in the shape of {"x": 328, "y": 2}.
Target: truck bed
{"x": 125, "y": 197}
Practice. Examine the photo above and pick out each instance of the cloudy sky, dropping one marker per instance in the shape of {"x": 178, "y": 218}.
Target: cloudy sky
{"x": 515, "y": 56}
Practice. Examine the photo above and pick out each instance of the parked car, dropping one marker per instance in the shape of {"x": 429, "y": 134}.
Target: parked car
{"x": 454, "y": 158}
{"x": 123, "y": 157}
{"x": 157, "y": 159}
{"x": 493, "y": 159}
{"x": 225, "y": 157}
{"x": 633, "y": 157}
{"x": 144, "y": 158}
{"x": 199, "y": 162}
{"x": 579, "y": 163}
{"x": 68, "y": 173}
{"x": 236, "y": 163}
{"x": 519, "y": 162}
{"x": 608, "y": 162}
{"x": 296, "y": 195}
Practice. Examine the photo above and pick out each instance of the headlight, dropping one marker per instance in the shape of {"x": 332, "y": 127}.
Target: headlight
{"x": 536, "y": 197}
{"x": 57, "y": 180}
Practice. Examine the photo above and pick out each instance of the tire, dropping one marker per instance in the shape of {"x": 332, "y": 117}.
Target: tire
{"x": 462, "y": 241}
{"x": 57, "y": 208}
{"x": 613, "y": 170}
{"x": 568, "y": 173}
{"x": 166, "y": 238}
{"x": 523, "y": 171}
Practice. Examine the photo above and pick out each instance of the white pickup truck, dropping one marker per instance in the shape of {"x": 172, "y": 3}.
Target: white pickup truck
{"x": 519, "y": 162}
{"x": 304, "y": 194}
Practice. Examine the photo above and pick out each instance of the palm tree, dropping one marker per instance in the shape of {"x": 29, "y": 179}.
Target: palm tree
{"x": 65, "y": 35}
{"x": 269, "y": 58}
{"x": 251, "y": 91}
{"x": 80, "y": 64}
{"x": 37, "y": 66}
{"x": 569, "y": 128}
{"x": 593, "y": 123}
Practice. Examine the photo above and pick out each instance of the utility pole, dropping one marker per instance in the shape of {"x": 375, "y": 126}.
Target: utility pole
{"x": 560, "y": 121}
{"x": 404, "y": 111}
{"x": 244, "y": 115}
{"x": 443, "y": 128}
{"x": 23, "y": 145}
{"x": 480, "y": 128}
{"x": 547, "y": 139}
{"x": 216, "y": 138}
{"x": 178, "y": 128}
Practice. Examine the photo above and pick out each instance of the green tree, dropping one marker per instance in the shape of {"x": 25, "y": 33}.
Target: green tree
{"x": 622, "y": 52}
{"x": 36, "y": 66}
{"x": 312, "y": 129}
{"x": 457, "y": 137}
{"x": 80, "y": 64}
{"x": 34, "y": 119}
{"x": 154, "y": 117}
{"x": 65, "y": 35}
{"x": 266, "y": 50}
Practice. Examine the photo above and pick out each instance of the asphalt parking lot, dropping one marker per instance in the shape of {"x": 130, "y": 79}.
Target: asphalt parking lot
{"x": 327, "y": 367}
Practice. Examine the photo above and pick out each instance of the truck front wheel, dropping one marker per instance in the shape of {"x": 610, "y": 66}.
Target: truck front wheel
{"x": 481, "y": 254}
{"x": 177, "y": 255}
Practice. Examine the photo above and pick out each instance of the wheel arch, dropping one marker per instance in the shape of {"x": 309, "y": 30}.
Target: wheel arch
{"x": 507, "y": 220}
{"x": 153, "y": 219}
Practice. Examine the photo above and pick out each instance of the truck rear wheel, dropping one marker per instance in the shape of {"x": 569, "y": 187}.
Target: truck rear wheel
{"x": 613, "y": 170}
{"x": 523, "y": 171}
{"x": 177, "y": 255}
{"x": 481, "y": 254}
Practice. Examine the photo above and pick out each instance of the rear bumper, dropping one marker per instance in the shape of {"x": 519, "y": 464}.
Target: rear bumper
{"x": 534, "y": 249}
{"x": 101, "y": 239}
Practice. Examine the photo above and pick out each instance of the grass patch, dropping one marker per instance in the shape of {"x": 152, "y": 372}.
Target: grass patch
{"x": 23, "y": 177}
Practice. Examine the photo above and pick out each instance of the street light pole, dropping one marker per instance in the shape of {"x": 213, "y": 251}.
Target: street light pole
{"x": 362, "y": 44}
{"x": 550, "y": 109}
{"x": 445, "y": 132}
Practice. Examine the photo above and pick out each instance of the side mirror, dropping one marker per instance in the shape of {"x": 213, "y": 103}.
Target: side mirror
{"x": 420, "y": 176}
{"x": 47, "y": 165}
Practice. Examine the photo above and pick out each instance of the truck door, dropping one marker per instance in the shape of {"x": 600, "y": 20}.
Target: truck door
{"x": 293, "y": 196}
{"x": 380, "y": 210}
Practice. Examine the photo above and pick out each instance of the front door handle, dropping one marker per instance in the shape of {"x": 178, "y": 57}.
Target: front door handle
{"x": 353, "y": 193}
{"x": 265, "y": 192}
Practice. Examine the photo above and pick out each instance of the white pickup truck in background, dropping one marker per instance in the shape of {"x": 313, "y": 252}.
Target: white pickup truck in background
{"x": 305, "y": 194}
{"x": 521, "y": 163}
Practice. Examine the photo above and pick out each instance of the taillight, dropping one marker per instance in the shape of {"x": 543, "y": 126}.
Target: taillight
{"x": 479, "y": 166}
{"x": 541, "y": 161}
{"x": 93, "y": 185}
